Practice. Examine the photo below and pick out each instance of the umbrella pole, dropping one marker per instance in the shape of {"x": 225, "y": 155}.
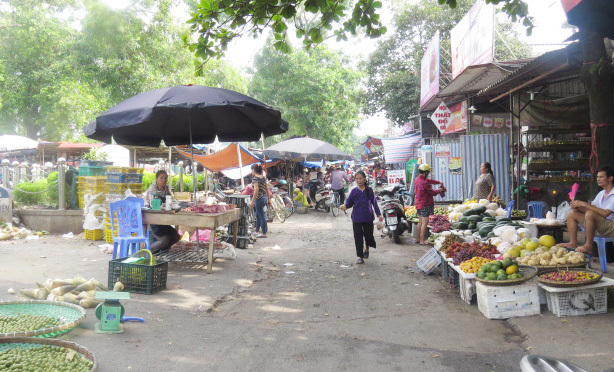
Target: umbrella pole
{"x": 194, "y": 179}
{"x": 240, "y": 166}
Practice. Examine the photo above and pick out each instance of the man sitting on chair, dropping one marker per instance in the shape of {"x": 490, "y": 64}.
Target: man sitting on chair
{"x": 597, "y": 217}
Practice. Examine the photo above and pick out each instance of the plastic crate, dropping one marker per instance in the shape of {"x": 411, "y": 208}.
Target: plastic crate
{"x": 445, "y": 269}
{"x": 578, "y": 302}
{"x": 116, "y": 177}
{"x": 429, "y": 261}
{"x": 94, "y": 234}
{"x": 144, "y": 279}
{"x": 114, "y": 169}
{"x": 120, "y": 188}
{"x": 91, "y": 170}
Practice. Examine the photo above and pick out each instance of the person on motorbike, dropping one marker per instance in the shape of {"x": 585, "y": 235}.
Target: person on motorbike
{"x": 424, "y": 198}
{"x": 337, "y": 176}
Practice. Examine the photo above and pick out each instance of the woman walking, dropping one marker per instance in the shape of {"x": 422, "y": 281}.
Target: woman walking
{"x": 424, "y": 198}
{"x": 362, "y": 199}
{"x": 259, "y": 200}
{"x": 484, "y": 187}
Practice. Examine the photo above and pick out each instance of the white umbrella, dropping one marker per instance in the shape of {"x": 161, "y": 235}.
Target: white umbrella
{"x": 9, "y": 142}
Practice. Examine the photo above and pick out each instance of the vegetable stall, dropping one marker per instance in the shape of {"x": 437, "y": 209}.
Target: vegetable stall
{"x": 498, "y": 260}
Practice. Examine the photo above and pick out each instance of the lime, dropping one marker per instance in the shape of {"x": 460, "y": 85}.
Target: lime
{"x": 491, "y": 276}
{"x": 481, "y": 275}
{"x": 500, "y": 272}
{"x": 502, "y": 277}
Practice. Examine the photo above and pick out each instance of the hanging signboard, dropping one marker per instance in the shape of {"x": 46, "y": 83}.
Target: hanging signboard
{"x": 429, "y": 70}
{"x": 499, "y": 122}
{"x": 459, "y": 118}
{"x": 442, "y": 117}
{"x": 472, "y": 40}
{"x": 395, "y": 176}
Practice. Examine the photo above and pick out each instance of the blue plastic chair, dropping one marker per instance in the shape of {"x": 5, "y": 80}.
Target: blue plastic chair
{"x": 130, "y": 228}
{"x": 536, "y": 209}
{"x": 601, "y": 245}
{"x": 508, "y": 208}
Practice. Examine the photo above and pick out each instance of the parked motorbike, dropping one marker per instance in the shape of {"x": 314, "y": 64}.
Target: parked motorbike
{"x": 539, "y": 363}
{"x": 322, "y": 198}
{"x": 393, "y": 212}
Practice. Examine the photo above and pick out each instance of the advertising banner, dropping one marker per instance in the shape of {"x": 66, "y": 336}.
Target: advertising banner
{"x": 429, "y": 70}
{"x": 472, "y": 39}
{"x": 395, "y": 176}
{"x": 459, "y": 118}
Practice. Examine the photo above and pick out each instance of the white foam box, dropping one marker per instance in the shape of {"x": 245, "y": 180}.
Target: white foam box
{"x": 575, "y": 301}
{"x": 502, "y": 302}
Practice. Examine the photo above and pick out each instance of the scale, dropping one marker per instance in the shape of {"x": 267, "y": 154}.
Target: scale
{"x": 110, "y": 312}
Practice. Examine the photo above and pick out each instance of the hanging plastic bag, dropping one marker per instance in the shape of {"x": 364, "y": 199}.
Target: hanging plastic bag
{"x": 562, "y": 210}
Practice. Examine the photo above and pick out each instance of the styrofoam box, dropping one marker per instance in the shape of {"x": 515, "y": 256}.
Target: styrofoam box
{"x": 467, "y": 289}
{"x": 501, "y": 302}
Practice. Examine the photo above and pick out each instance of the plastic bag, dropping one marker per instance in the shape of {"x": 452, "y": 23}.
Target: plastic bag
{"x": 562, "y": 210}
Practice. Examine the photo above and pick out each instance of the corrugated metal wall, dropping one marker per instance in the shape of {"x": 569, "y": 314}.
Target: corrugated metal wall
{"x": 493, "y": 148}
{"x": 454, "y": 183}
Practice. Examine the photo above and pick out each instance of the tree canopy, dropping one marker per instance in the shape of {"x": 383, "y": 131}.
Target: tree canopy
{"x": 63, "y": 62}
{"x": 315, "y": 89}
{"x": 217, "y": 22}
{"x": 393, "y": 69}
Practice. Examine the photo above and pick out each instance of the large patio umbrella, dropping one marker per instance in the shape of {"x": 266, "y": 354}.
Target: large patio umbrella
{"x": 186, "y": 114}
{"x": 306, "y": 148}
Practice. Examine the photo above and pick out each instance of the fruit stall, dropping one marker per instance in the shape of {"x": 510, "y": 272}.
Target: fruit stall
{"x": 502, "y": 264}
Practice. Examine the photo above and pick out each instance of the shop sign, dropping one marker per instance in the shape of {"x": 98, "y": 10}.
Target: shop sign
{"x": 442, "y": 117}
{"x": 395, "y": 176}
{"x": 488, "y": 122}
{"x": 442, "y": 151}
{"x": 499, "y": 122}
{"x": 455, "y": 166}
{"x": 429, "y": 70}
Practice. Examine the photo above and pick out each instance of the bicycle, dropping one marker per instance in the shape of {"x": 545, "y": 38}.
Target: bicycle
{"x": 278, "y": 207}
{"x": 335, "y": 203}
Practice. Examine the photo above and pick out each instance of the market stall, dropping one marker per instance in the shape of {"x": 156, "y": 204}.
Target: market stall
{"x": 507, "y": 267}
{"x": 209, "y": 221}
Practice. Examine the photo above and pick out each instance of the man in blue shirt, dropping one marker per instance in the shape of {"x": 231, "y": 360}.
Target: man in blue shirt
{"x": 597, "y": 217}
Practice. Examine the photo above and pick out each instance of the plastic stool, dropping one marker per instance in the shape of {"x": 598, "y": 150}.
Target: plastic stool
{"x": 601, "y": 245}
{"x": 508, "y": 208}
{"x": 536, "y": 209}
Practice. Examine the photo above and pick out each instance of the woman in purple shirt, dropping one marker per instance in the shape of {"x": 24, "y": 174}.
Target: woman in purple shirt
{"x": 362, "y": 198}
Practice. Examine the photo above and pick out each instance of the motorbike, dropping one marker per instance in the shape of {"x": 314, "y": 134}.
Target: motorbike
{"x": 393, "y": 212}
{"x": 322, "y": 198}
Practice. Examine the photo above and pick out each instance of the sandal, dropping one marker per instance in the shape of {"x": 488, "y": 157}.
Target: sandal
{"x": 360, "y": 260}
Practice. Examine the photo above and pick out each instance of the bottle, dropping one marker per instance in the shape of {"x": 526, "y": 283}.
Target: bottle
{"x": 168, "y": 202}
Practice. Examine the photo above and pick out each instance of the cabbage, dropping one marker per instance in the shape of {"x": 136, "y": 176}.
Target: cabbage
{"x": 501, "y": 212}
{"x": 492, "y": 206}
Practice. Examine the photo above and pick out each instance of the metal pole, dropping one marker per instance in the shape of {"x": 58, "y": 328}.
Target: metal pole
{"x": 180, "y": 164}
{"x": 240, "y": 166}
{"x": 5, "y": 172}
{"x": 61, "y": 185}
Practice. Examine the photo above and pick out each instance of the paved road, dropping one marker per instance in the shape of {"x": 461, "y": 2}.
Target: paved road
{"x": 296, "y": 301}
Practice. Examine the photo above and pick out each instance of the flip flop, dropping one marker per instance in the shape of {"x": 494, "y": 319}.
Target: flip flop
{"x": 360, "y": 261}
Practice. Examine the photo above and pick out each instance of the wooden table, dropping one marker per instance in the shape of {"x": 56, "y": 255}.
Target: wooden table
{"x": 200, "y": 220}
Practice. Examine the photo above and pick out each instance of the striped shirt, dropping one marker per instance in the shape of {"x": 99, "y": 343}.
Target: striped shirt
{"x": 261, "y": 180}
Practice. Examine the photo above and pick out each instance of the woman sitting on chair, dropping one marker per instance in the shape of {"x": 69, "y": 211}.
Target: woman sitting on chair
{"x": 165, "y": 235}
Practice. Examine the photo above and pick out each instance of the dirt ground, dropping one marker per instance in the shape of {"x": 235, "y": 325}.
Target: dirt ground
{"x": 297, "y": 301}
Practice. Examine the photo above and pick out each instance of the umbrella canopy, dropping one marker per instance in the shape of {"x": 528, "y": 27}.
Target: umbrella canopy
{"x": 186, "y": 114}
{"x": 306, "y": 148}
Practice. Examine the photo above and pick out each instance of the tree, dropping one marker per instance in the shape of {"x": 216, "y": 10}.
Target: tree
{"x": 217, "y": 22}
{"x": 315, "y": 90}
{"x": 393, "y": 70}
{"x": 58, "y": 77}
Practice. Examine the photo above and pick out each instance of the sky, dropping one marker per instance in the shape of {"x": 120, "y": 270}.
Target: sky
{"x": 548, "y": 35}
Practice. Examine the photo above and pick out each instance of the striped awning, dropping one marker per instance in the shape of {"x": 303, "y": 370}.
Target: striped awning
{"x": 401, "y": 149}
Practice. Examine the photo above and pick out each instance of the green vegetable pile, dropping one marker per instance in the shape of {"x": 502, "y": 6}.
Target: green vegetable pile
{"x": 26, "y": 322}
{"x": 44, "y": 358}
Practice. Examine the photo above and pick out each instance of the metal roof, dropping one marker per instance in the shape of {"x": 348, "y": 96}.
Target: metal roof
{"x": 563, "y": 62}
{"x": 472, "y": 80}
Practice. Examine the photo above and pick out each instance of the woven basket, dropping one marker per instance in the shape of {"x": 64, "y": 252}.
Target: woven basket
{"x": 70, "y": 315}
{"x": 528, "y": 271}
{"x": 570, "y": 284}
{"x": 25, "y": 342}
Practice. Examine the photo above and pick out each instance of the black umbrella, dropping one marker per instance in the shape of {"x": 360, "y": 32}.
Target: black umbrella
{"x": 186, "y": 114}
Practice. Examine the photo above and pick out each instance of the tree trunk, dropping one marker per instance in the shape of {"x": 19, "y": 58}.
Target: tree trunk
{"x": 597, "y": 74}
